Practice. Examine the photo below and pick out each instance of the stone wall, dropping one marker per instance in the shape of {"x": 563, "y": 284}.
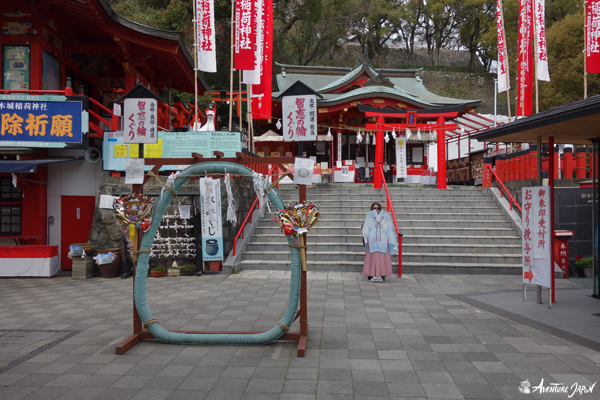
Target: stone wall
{"x": 466, "y": 85}
{"x": 107, "y": 232}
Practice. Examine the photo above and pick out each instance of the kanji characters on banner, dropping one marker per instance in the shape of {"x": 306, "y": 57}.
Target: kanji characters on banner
{"x": 503, "y": 76}
{"x": 592, "y": 32}
{"x": 536, "y": 239}
{"x": 252, "y": 77}
{"x": 299, "y": 118}
{"x": 140, "y": 121}
{"x": 205, "y": 30}
{"x": 245, "y": 34}
{"x": 525, "y": 60}
{"x": 261, "y": 92}
{"x": 541, "y": 52}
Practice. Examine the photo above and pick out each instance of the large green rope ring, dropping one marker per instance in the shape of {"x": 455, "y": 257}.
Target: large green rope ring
{"x": 141, "y": 272}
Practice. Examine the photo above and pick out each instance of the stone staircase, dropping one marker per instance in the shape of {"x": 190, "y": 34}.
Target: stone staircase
{"x": 460, "y": 230}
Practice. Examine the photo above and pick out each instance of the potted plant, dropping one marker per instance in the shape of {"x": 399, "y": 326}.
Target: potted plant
{"x": 158, "y": 271}
{"x": 587, "y": 264}
{"x": 173, "y": 268}
{"x": 188, "y": 269}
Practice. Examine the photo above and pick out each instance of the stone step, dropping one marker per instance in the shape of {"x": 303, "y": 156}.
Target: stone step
{"x": 406, "y": 230}
{"x": 406, "y": 247}
{"x": 313, "y": 236}
{"x": 407, "y": 267}
{"x": 405, "y": 209}
{"x": 401, "y": 216}
{"x": 402, "y": 224}
{"x": 366, "y": 204}
{"x": 334, "y": 255}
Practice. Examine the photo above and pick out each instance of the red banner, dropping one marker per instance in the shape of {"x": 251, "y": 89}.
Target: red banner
{"x": 261, "y": 93}
{"x": 245, "y": 35}
{"x": 592, "y": 33}
{"x": 525, "y": 60}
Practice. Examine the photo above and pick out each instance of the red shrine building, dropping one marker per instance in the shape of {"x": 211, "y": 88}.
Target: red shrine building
{"x": 372, "y": 101}
{"x": 64, "y": 64}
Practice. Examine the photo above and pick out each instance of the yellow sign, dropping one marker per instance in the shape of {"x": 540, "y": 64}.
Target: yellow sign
{"x": 153, "y": 150}
{"x": 120, "y": 150}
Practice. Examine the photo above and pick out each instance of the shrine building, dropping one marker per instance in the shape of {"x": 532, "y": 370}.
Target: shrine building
{"x": 372, "y": 101}
{"x": 64, "y": 64}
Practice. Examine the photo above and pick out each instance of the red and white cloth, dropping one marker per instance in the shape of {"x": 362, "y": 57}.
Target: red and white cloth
{"x": 22, "y": 261}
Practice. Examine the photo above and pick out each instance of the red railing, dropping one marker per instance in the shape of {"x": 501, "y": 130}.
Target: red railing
{"x": 502, "y": 187}
{"x": 260, "y": 168}
{"x": 391, "y": 208}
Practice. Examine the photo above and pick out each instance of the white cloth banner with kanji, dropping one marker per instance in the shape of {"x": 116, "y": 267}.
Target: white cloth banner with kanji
{"x": 299, "y": 118}
{"x": 252, "y": 77}
{"x": 205, "y": 30}
{"x": 503, "y": 76}
{"x": 540, "y": 41}
{"x": 401, "y": 171}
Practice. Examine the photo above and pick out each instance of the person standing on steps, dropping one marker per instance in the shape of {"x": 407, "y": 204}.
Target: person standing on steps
{"x": 381, "y": 242}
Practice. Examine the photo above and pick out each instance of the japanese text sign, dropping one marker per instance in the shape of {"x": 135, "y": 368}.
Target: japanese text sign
{"x": 536, "y": 236}
{"x": 205, "y": 28}
{"x": 212, "y": 230}
{"x": 592, "y": 33}
{"x": 503, "y": 75}
{"x": 299, "y": 118}
{"x": 540, "y": 41}
{"x": 401, "y": 171}
{"x": 245, "y": 34}
{"x": 140, "y": 121}
{"x": 40, "y": 123}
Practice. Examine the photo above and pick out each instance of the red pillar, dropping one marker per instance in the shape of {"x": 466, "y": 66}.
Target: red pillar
{"x": 533, "y": 162}
{"x": 580, "y": 168}
{"x": 441, "y": 153}
{"x": 568, "y": 162}
{"x": 378, "y": 179}
{"x": 487, "y": 173}
{"x": 518, "y": 166}
{"x": 556, "y": 174}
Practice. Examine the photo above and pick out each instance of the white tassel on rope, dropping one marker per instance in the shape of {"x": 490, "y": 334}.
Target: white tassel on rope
{"x": 408, "y": 134}
{"x": 259, "y": 189}
{"x": 231, "y": 206}
{"x": 329, "y": 136}
{"x": 386, "y": 137}
{"x": 170, "y": 182}
{"x": 358, "y": 137}
{"x": 434, "y": 135}
{"x": 419, "y": 134}
{"x": 367, "y": 138}
{"x": 394, "y": 133}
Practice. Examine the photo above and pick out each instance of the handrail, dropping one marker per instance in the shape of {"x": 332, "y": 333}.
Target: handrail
{"x": 390, "y": 207}
{"x": 249, "y": 215}
{"x": 512, "y": 200}
{"x": 243, "y": 226}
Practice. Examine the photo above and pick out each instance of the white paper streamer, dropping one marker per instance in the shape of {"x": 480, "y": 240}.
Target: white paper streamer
{"x": 231, "y": 206}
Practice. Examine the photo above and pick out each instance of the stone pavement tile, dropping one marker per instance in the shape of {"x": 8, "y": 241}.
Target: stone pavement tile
{"x": 230, "y": 385}
{"x": 132, "y": 382}
{"x": 496, "y": 367}
{"x": 522, "y": 367}
{"x": 34, "y": 380}
{"x": 100, "y": 358}
{"x": 334, "y": 387}
{"x": 157, "y": 359}
{"x": 400, "y": 376}
{"x": 170, "y": 350}
{"x": 164, "y": 383}
{"x": 205, "y": 371}
{"x": 445, "y": 390}
{"x": 335, "y": 374}
{"x": 481, "y": 356}
{"x": 175, "y": 371}
{"x": 84, "y": 369}
{"x": 389, "y": 346}
{"x": 143, "y": 370}
{"x": 329, "y": 396}
{"x": 333, "y": 362}
{"x": 406, "y": 389}
{"x": 54, "y": 368}
{"x": 300, "y": 387}
{"x": 28, "y": 368}
{"x": 81, "y": 393}
{"x": 114, "y": 369}
{"x": 434, "y": 377}
{"x": 98, "y": 381}
{"x": 146, "y": 394}
{"x": 452, "y": 356}
{"x": 363, "y": 388}
{"x": 396, "y": 365}
{"x": 197, "y": 383}
{"x": 267, "y": 372}
{"x": 359, "y": 375}
{"x": 214, "y": 360}
{"x": 478, "y": 391}
{"x": 363, "y": 354}
{"x": 297, "y": 373}
{"x": 459, "y": 366}
{"x": 16, "y": 392}
{"x": 65, "y": 380}
{"x": 116, "y": 394}
{"x": 365, "y": 364}
{"x": 240, "y": 372}
{"x": 265, "y": 385}
{"x": 7, "y": 378}
{"x": 427, "y": 365}
{"x": 468, "y": 377}
{"x": 422, "y": 355}
{"x": 261, "y": 396}
{"x": 392, "y": 355}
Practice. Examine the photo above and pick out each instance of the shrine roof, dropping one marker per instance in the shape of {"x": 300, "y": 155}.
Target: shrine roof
{"x": 165, "y": 52}
{"x": 405, "y": 84}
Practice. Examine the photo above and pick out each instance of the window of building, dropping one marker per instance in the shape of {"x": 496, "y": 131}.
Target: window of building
{"x": 10, "y": 208}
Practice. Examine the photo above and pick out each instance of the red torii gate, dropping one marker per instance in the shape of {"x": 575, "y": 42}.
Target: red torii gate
{"x": 410, "y": 121}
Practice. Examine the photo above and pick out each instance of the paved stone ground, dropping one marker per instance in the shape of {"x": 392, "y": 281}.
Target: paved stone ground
{"x": 406, "y": 338}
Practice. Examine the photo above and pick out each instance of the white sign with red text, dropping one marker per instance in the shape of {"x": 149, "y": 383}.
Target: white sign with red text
{"x": 540, "y": 41}
{"x": 299, "y": 118}
{"x": 536, "y": 238}
{"x": 205, "y": 30}
{"x": 401, "y": 157}
{"x": 140, "y": 118}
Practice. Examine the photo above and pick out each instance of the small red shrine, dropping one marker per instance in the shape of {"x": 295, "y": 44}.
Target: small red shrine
{"x": 372, "y": 101}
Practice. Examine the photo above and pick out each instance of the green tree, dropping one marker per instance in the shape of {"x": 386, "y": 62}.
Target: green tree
{"x": 478, "y": 17}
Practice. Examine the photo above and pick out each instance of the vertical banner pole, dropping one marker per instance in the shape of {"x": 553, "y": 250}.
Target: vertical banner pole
{"x": 585, "y": 49}
{"x": 551, "y": 207}
{"x": 231, "y": 70}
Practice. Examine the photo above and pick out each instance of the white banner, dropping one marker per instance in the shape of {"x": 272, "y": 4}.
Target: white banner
{"x": 502, "y": 68}
{"x": 536, "y": 241}
{"x": 140, "y": 121}
{"x": 401, "y": 157}
{"x": 252, "y": 77}
{"x": 540, "y": 40}
{"x": 339, "y": 146}
{"x": 211, "y": 221}
{"x": 205, "y": 29}
{"x": 299, "y": 118}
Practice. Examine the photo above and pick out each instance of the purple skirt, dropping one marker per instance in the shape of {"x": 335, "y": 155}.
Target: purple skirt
{"x": 377, "y": 264}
